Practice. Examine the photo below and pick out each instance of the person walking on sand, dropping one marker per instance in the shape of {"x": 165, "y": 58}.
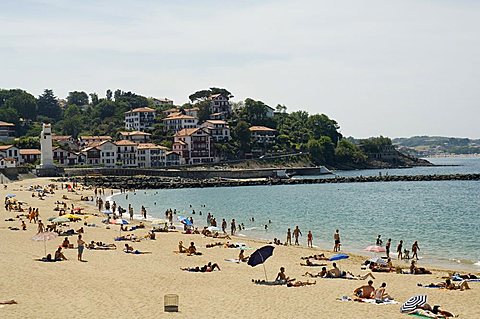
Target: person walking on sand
{"x": 296, "y": 233}
{"x": 81, "y": 247}
{"x": 336, "y": 238}
{"x": 289, "y": 237}
{"x": 41, "y": 227}
{"x": 224, "y": 225}
{"x": 387, "y": 247}
{"x": 399, "y": 250}
{"x": 310, "y": 239}
{"x": 415, "y": 250}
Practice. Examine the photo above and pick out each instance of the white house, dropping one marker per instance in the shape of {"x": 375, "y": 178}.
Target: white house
{"x": 218, "y": 129}
{"x": 108, "y": 153}
{"x": 127, "y": 153}
{"x": 161, "y": 101}
{"x": 67, "y": 158}
{"x": 151, "y": 155}
{"x": 194, "y": 146}
{"x": 91, "y": 154}
{"x": 262, "y": 134}
{"x": 176, "y": 123}
{"x": 219, "y": 103}
{"x": 10, "y": 151}
{"x": 192, "y": 112}
{"x": 140, "y": 119}
{"x": 7, "y": 162}
{"x": 171, "y": 111}
{"x": 135, "y": 136}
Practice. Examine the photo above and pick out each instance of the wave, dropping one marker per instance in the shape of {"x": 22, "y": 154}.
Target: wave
{"x": 477, "y": 263}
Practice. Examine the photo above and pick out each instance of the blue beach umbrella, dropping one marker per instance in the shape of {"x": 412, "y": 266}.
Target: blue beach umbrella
{"x": 338, "y": 257}
{"x": 185, "y": 221}
{"x": 259, "y": 256}
{"x": 10, "y": 195}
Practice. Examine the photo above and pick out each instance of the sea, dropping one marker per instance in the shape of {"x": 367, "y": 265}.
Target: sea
{"x": 443, "y": 216}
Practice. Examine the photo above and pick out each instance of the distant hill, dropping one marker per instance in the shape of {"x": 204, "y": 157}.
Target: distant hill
{"x": 436, "y": 145}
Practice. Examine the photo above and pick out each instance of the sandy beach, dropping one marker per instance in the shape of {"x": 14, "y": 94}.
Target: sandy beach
{"x": 115, "y": 284}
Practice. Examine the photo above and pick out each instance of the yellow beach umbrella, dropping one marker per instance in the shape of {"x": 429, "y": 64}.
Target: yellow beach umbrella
{"x": 72, "y": 216}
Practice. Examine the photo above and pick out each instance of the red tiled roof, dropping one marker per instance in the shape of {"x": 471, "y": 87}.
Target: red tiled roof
{"x": 186, "y": 131}
{"x": 29, "y": 151}
{"x": 178, "y": 117}
{"x": 261, "y": 129}
{"x": 125, "y": 143}
{"x": 141, "y": 110}
{"x": 2, "y": 123}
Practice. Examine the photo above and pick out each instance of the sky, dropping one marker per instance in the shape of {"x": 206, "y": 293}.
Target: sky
{"x": 391, "y": 68}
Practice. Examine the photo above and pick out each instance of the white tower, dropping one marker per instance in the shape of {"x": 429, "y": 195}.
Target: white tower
{"x": 46, "y": 158}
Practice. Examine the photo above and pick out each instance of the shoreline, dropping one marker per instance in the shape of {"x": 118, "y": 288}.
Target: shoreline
{"x": 435, "y": 262}
{"x": 93, "y": 283}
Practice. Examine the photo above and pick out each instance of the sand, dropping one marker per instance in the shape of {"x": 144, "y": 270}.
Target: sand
{"x": 115, "y": 284}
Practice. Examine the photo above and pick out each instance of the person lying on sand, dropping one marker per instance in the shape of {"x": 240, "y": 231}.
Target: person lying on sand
{"x": 206, "y": 268}
{"x": 427, "y": 311}
{"x": 335, "y": 272}
{"x": 316, "y": 257}
{"x": 365, "y": 291}
{"x": 311, "y": 264}
{"x": 129, "y": 249}
{"x": 214, "y": 244}
{"x": 414, "y": 270}
{"x": 321, "y": 274}
{"x": 300, "y": 283}
{"x": 101, "y": 246}
{"x": 8, "y": 302}
{"x": 465, "y": 276}
{"x": 448, "y": 284}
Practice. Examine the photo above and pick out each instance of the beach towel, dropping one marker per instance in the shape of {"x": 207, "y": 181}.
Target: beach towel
{"x": 233, "y": 260}
{"x": 271, "y": 283}
{"x": 369, "y": 301}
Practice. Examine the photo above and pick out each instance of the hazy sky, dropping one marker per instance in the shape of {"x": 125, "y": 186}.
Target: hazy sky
{"x": 396, "y": 68}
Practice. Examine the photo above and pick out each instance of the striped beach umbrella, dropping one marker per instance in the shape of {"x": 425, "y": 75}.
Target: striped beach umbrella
{"x": 414, "y": 302}
{"x": 44, "y": 237}
{"x": 375, "y": 249}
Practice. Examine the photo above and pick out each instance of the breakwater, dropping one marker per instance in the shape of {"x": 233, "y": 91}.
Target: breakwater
{"x": 156, "y": 182}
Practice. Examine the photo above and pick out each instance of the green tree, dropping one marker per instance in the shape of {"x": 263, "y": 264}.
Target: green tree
{"x": 322, "y": 125}
{"x": 27, "y": 142}
{"x": 24, "y": 103}
{"x": 109, "y": 95}
{"x": 347, "y": 152}
{"x": 243, "y": 136}
{"x": 204, "y": 111}
{"x": 78, "y": 98}
{"x": 94, "y": 98}
{"x": 106, "y": 108}
{"x": 48, "y": 105}
{"x": 375, "y": 144}
{"x": 73, "y": 121}
{"x": 316, "y": 152}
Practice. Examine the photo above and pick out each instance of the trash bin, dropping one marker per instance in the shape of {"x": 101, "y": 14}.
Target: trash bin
{"x": 170, "y": 303}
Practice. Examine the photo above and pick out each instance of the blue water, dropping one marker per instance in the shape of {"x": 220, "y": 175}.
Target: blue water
{"x": 442, "y": 216}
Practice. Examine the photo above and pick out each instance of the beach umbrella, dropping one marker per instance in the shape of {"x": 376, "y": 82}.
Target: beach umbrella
{"x": 44, "y": 237}
{"x": 78, "y": 209}
{"x": 120, "y": 221}
{"x": 378, "y": 261}
{"x": 259, "y": 256}
{"x": 338, "y": 257}
{"x": 72, "y": 216}
{"x": 185, "y": 220}
{"x": 107, "y": 211}
{"x": 52, "y": 218}
{"x": 414, "y": 302}
{"x": 10, "y": 195}
{"x": 375, "y": 249}
{"x": 60, "y": 220}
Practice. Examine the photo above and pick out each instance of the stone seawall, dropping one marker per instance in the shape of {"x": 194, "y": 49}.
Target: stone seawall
{"x": 155, "y": 182}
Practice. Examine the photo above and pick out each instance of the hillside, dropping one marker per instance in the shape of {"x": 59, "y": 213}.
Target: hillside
{"x": 421, "y": 146}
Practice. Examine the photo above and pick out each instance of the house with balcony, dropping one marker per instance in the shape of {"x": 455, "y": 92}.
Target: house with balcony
{"x": 65, "y": 157}
{"x": 218, "y": 130}
{"x": 108, "y": 153}
{"x": 151, "y": 155}
{"x": 29, "y": 156}
{"x": 177, "y": 123}
{"x": 126, "y": 153}
{"x": 7, "y": 131}
{"x": 172, "y": 158}
{"x": 219, "y": 103}
{"x": 91, "y": 155}
{"x": 135, "y": 136}
{"x": 194, "y": 146}
{"x": 140, "y": 119}
{"x": 262, "y": 134}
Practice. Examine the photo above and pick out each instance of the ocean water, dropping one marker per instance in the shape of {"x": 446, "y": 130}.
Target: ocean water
{"x": 442, "y": 216}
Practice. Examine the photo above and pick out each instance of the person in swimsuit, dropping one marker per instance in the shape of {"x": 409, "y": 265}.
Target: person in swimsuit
{"x": 289, "y": 237}
{"x": 365, "y": 291}
{"x": 310, "y": 239}
{"x": 336, "y": 238}
{"x": 81, "y": 247}
{"x": 387, "y": 247}
{"x": 399, "y": 250}
{"x": 415, "y": 250}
